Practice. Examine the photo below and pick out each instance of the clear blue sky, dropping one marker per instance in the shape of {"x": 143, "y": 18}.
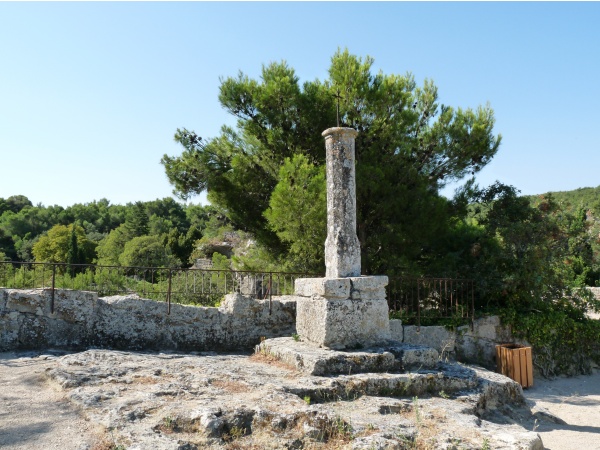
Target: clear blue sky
{"x": 92, "y": 93}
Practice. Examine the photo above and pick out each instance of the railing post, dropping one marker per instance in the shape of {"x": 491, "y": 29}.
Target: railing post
{"x": 169, "y": 295}
{"x": 52, "y": 292}
{"x": 472, "y": 283}
{"x": 418, "y": 305}
{"x": 270, "y": 292}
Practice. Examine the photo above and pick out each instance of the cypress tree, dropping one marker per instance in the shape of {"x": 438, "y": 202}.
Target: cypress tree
{"x": 73, "y": 253}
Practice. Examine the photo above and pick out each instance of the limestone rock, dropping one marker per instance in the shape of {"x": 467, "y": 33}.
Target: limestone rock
{"x": 342, "y": 313}
{"x": 438, "y": 337}
{"x": 331, "y": 288}
{"x": 81, "y": 320}
{"x": 342, "y": 249}
{"x": 212, "y": 401}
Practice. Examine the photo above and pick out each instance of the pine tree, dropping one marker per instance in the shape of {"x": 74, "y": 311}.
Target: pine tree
{"x": 408, "y": 147}
{"x": 137, "y": 222}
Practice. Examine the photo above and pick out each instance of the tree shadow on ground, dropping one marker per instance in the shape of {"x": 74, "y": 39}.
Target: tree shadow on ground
{"x": 20, "y": 435}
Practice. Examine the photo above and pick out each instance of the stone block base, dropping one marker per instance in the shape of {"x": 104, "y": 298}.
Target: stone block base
{"x": 393, "y": 357}
{"x": 342, "y": 313}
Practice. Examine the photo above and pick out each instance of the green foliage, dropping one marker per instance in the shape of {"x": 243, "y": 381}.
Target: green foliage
{"x": 407, "y": 148}
{"x": 564, "y": 341}
{"x": 106, "y": 227}
{"x": 586, "y": 198}
{"x": 24, "y": 227}
{"x": 206, "y": 218}
{"x": 137, "y": 220}
{"x": 584, "y": 205}
{"x": 433, "y": 317}
{"x": 220, "y": 241}
{"x": 175, "y": 227}
{"x": 64, "y": 243}
{"x": 111, "y": 247}
{"x": 220, "y": 262}
{"x": 112, "y": 226}
{"x": 24, "y": 247}
{"x": 181, "y": 244}
{"x": 96, "y": 217}
{"x": 523, "y": 266}
{"x": 298, "y": 213}
{"x": 530, "y": 260}
{"x": 75, "y": 255}
{"x": 518, "y": 252}
{"x": 417, "y": 410}
{"x": 259, "y": 258}
{"x": 147, "y": 251}
{"x": 14, "y": 203}
{"x": 7, "y": 245}
{"x": 486, "y": 444}
{"x": 169, "y": 209}
{"x": 187, "y": 288}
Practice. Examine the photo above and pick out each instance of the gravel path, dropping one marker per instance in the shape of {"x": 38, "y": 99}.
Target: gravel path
{"x": 577, "y": 402}
{"x": 33, "y": 415}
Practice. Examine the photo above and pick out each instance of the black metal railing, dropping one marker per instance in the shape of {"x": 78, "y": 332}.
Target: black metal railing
{"x": 414, "y": 300}
{"x": 427, "y": 300}
{"x": 205, "y": 287}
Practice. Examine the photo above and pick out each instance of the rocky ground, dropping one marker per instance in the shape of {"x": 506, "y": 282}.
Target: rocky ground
{"x": 118, "y": 400}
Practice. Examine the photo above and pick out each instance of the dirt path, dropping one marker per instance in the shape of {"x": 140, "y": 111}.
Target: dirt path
{"x": 577, "y": 402}
{"x": 33, "y": 415}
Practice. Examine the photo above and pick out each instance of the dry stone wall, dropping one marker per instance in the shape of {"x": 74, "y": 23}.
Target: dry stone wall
{"x": 476, "y": 345}
{"x": 82, "y": 320}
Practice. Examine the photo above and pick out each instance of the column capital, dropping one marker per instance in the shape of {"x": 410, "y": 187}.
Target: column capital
{"x": 340, "y": 131}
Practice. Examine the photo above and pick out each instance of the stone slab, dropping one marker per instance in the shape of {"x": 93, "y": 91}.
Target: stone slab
{"x": 342, "y": 323}
{"x": 438, "y": 337}
{"x": 323, "y": 287}
{"x": 366, "y": 287}
{"x": 369, "y": 283}
{"x": 396, "y": 330}
{"x": 342, "y": 313}
{"x": 393, "y": 357}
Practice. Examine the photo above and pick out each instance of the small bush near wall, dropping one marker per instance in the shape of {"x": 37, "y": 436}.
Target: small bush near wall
{"x": 564, "y": 340}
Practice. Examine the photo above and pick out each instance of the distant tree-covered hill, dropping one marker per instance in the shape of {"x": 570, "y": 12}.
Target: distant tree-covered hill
{"x": 162, "y": 232}
{"x": 587, "y": 198}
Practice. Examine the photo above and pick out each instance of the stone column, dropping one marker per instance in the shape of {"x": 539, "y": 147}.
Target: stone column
{"x": 342, "y": 249}
{"x": 343, "y": 310}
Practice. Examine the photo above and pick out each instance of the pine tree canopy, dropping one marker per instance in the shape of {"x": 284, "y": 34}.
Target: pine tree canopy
{"x": 408, "y": 147}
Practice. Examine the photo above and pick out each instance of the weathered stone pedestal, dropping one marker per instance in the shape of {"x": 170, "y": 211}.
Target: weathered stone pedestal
{"x": 343, "y": 327}
{"x": 342, "y": 320}
{"x": 342, "y": 313}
